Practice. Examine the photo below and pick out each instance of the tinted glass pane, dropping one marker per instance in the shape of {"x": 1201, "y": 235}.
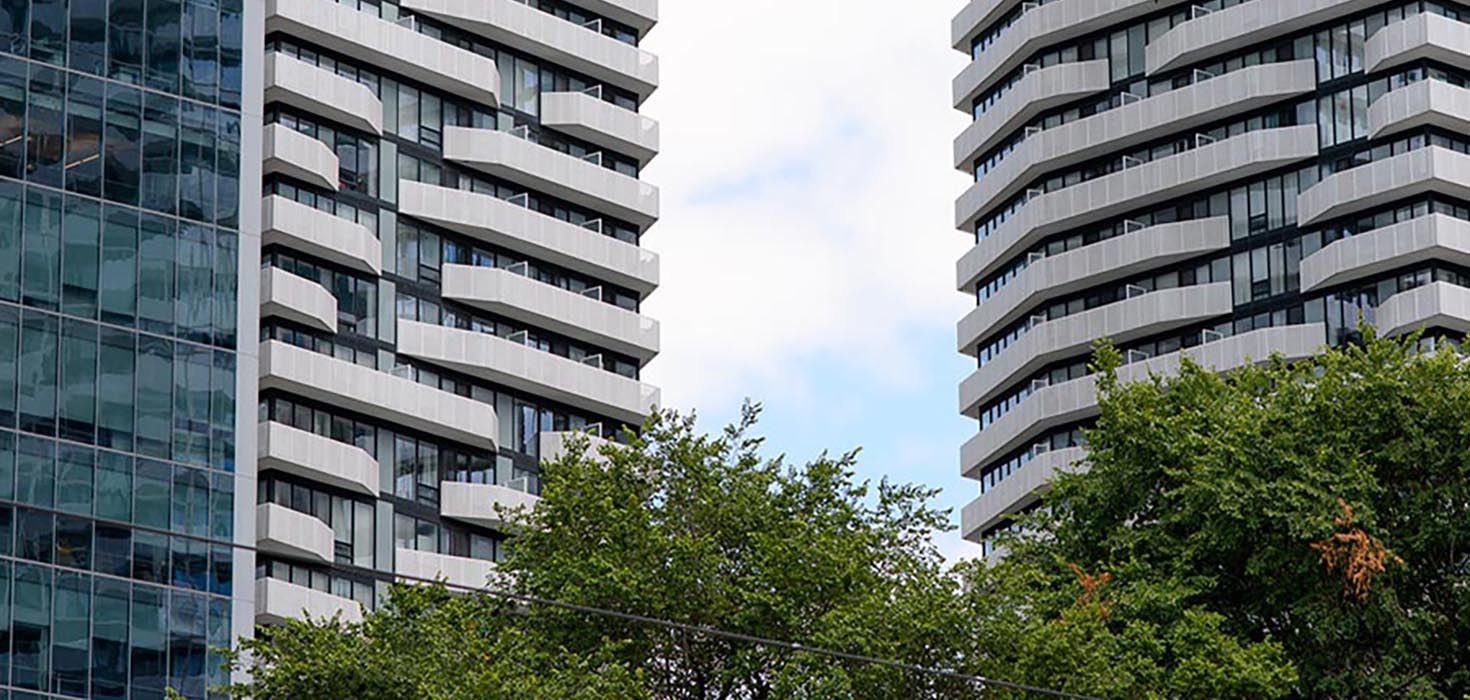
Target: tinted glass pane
{"x": 12, "y": 110}
{"x": 30, "y": 631}
{"x": 12, "y": 209}
{"x": 84, "y": 136}
{"x": 154, "y": 397}
{"x": 163, "y": 45}
{"x": 151, "y": 484}
{"x": 120, "y": 266}
{"x": 48, "y": 30}
{"x": 45, "y": 141}
{"x": 195, "y": 293}
{"x": 78, "y": 400}
{"x": 81, "y": 244}
{"x": 116, "y": 364}
{"x": 38, "y": 354}
{"x": 75, "y": 470}
{"x": 231, "y": 52}
{"x": 14, "y": 25}
{"x": 125, "y": 40}
{"x": 121, "y": 166}
{"x": 201, "y": 50}
{"x": 157, "y": 250}
{"x": 197, "y": 162}
{"x": 110, "y": 640}
{"x": 88, "y": 42}
{"x": 160, "y": 153}
{"x": 41, "y": 249}
{"x": 114, "y": 489}
{"x": 35, "y": 471}
{"x": 147, "y": 643}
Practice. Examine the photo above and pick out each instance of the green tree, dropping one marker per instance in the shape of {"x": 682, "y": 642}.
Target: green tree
{"x": 705, "y": 531}
{"x": 1318, "y": 508}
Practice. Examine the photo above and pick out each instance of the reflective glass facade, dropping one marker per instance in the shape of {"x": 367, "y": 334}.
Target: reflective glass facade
{"x": 121, "y": 229}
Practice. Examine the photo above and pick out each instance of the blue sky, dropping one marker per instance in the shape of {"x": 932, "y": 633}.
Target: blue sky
{"x": 807, "y": 239}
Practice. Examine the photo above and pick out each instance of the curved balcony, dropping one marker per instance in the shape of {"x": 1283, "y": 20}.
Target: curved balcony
{"x": 277, "y": 601}
{"x": 641, "y": 15}
{"x": 1431, "y": 169}
{"x": 518, "y": 366}
{"x": 291, "y": 450}
{"x": 297, "y": 299}
{"x": 505, "y": 155}
{"x": 460, "y": 572}
{"x": 554, "y": 444}
{"x": 288, "y": 533}
{"x": 485, "y": 505}
{"x": 1433, "y": 237}
{"x": 394, "y": 47}
{"x": 1237, "y": 27}
{"x": 583, "y": 318}
{"x": 377, "y": 394}
{"x": 1207, "y": 166}
{"x": 289, "y": 223}
{"x": 1017, "y": 492}
{"x": 1423, "y": 37}
{"x": 1040, "y": 27}
{"x": 544, "y": 35}
{"x": 1076, "y": 400}
{"x": 1425, "y": 103}
{"x": 505, "y": 224}
{"x": 1122, "y": 322}
{"x": 295, "y": 155}
{"x": 1438, "y": 305}
{"x": 316, "y": 90}
{"x": 1107, "y": 261}
{"x": 601, "y": 123}
{"x": 1135, "y": 124}
{"x": 975, "y": 17}
{"x": 1041, "y": 90}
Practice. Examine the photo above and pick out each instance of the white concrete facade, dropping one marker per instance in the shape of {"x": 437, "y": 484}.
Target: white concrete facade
{"x": 433, "y": 166}
{"x": 1208, "y": 180}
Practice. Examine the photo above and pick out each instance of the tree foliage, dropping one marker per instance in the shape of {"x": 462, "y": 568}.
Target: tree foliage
{"x": 1283, "y": 531}
{"x": 1316, "y": 512}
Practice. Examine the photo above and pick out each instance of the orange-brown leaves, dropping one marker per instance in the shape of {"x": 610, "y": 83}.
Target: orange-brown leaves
{"x": 1358, "y": 556}
{"x": 1090, "y": 585}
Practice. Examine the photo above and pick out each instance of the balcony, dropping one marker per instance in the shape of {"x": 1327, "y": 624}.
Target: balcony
{"x": 1209, "y": 165}
{"x": 1040, "y": 90}
{"x": 1422, "y": 37}
{"x": 1134, "y": 125}
{"x": 581, "y": 182}
{"x": 1076, "y": 400}
{"x": 295, "y": 155}
{"x": 1433, "y": 237}
{"x": 578, "y": 316}
{"x": 1438, "y": 305}
{"x": 485, "y": 505}
{"x": 553, "y": 445}
{"x": 975, "y": 17}
{"x": 294, "y": 451}
{"x": 1039, "y": 27}
{"x": 394, "y": 47}
{"x": 456, "y": 572}
{"x": 528, "y": 369}
{"x": 1112, "y": 260}
{"x": 638, "y": 14}
{"x": 288, "y": 533}
{"x": 552, "y": 38}
{"x": 1017, "y": 492}
{"x": 297, "y": 299}
{"x": 1425, "y": 103}
{"x": 288, "y": 223}
{"x": 277, "y": 601}
{"x": 376, "y": 394}
{"x": 316, "y": 90}
{"x": 601, "y": 123}
{"x": 1431, "y": 169}
{"x": 502, "y": 223}
{"x": 1123, "y": 322}
{"x": 1215, "y": 34}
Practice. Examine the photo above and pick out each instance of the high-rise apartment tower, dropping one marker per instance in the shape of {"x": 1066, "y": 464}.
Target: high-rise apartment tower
{"x": 451, "y": 277}
{"x": 294, "y": 293}
{"x": 1220, "y": 178}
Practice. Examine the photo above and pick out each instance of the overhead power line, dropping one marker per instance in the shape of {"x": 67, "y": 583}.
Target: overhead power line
{"x": 981, "y": 681}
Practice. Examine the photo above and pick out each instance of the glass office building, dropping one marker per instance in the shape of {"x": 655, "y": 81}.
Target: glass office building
{"x": 1218, "y": 178}
{"x": 124, "y": 141}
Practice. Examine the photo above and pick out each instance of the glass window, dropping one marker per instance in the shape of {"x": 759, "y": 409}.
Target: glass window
{"x": 154, "y": 399}
{"x": 41, "y": 253}
{"x": 119, "y": 266}
{"x": 30, "y": 631}
{"x": 157, "y": 251}
{"x": 14, "y": 25}
{"x": 12, "y": 108}
{"x": 110, "y": 638}
{"x": 163, "y": 42}
{"x": 48, "y": 31}
{"x": 84, "y": 136}
{"x": 81, "y": 238}
{"x": 122, "y": 163}
{"x": 125, "y": 40}
{"x": 78, "y": 397}
{"x": 87, "y": 45}
{"x": 148, "y": 652}
{"x": 9, "y": 364}
{"x": 38, "y": 353}
{"x": 160, "y": 150}
{"x": 12, "y": 209}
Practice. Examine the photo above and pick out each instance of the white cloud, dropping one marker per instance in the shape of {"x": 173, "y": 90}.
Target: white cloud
{"x": 807, "y": 190}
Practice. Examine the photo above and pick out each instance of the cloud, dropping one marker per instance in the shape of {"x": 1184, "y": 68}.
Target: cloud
{"x": 807, "y": 190}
